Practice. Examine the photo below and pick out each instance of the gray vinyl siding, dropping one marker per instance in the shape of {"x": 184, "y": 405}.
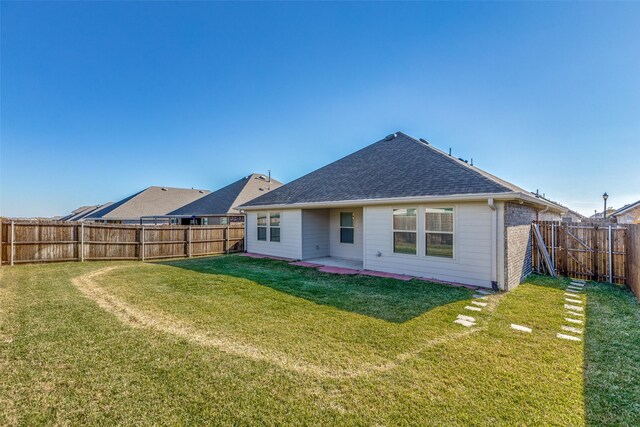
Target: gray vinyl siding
{"x": 352, "y": 251}
{"x": 472, "y": 245}
{"x": 315, "y": 233}
{"x": 290, "y": 244}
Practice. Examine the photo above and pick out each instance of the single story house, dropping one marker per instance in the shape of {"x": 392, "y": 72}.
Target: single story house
{"x": 402, "y": 206}
{"x": 82, "y": 212}
{"x": 219, "y": 207}
{"x": 628, "y": 214}
{"x": 141, "y": 207}
{"x": 573, "y": 216}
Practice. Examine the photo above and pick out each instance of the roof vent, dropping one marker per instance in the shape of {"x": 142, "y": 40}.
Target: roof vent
{"x": 390, "y": 137}
{"x": 262, "y": 177}
{"x": 200, "y": 191}
{"x": 424, "y": 141}
{"x": 164, "y": 189}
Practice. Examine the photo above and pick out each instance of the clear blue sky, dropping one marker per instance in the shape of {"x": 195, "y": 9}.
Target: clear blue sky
{"x": 100, "y": 100}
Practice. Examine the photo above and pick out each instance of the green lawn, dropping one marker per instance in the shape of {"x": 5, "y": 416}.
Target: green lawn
{"x": 232, "y": 340}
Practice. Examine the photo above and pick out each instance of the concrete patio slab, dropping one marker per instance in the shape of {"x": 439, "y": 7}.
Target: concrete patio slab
{"x": 338, "y": 270}
{"x": 260, "y": 256}
{"x": 385, "y": 275}
{"x": 305, "y": 264}
{"x": 329, "y": 261}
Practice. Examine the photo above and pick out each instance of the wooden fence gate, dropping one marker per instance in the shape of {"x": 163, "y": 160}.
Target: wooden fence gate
{"x": 585, "y": 251}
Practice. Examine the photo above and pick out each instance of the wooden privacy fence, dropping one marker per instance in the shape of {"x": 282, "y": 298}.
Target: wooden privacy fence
{"x": 29, "y": 242}
{"x": 633, "y": 258}
{"x": 598, "y": 252}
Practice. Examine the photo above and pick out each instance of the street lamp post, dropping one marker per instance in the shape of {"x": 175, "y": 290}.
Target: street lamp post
{"x": 605, "y": 196}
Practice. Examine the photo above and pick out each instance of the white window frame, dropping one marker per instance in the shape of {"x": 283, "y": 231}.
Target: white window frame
{"x": 452, "y": 233}
{"x": 353, "y": 227}
{"x": 279, "y": 226}
{"x": 266, "y": 227}
{"x": 394, "y": 231}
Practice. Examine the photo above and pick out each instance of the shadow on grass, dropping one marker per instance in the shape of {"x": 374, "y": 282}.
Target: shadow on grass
{"x": 612, "y": 356}
{"x": 386, "y": 299}
{"x": 611, "y": 352}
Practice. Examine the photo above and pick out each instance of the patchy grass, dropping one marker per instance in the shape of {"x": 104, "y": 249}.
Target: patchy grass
{"x": 238, "y": 341}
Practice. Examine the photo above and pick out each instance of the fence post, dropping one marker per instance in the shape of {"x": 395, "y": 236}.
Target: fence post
{"x": 565, "y": 253}
{"x": 189, "y": 242}
{"x": 13, "y": 235}
{"x": 82, "y": 242}
{"x": 1, "y": 237}
{"x": 596, "y": 249}
{"x": 142, "y": 243}
{"x": 610, "y": 257}
{"x": 553, "y": 245}
{"x": 226, "y": 238}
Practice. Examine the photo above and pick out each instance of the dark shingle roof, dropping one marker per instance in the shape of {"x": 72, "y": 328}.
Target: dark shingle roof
{"x": 390, "y": 168}
{"x": 224, "y": 200}
{"x": 149, "y": 202}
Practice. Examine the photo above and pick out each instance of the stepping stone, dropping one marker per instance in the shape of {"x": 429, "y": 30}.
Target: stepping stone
{"x": 520, "y": 328}
{"x": 573, "y": 291}
{"x": 571, "y": 329}
{"x": 575, "y": 301}
{"x": 473, "y": 308}
{"x": 573, "y": 307}
{"x": 467, "y": 318}
{"x": 574, "y": 288}
{"x": 481, "y": 304}
{"x": 464, "y": 322}
{"x": 570, "y": 320}
{"x": 476, "y": 296}
{"x": 577, "y": 285}
{"x": 568, "y": 337}
{"x": 483, "y": 292}
{"x": 578, "y": 280}
{"x": 573, "y": 313}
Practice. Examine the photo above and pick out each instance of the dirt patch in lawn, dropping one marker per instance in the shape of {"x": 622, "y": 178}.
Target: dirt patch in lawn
{"x": 134, "y": 317}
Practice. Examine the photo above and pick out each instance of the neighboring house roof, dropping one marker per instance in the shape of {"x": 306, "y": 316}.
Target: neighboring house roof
{"x": 149, "y": 202}
{"x": 76, "y": 212}
{"x": 396, "y": 167}
{"x": 83, "y": 215}
{"x": 224, "y": 200}
{"x": 82, "y": 212}
{"x": 626, "y": 208}
{"x": 576, "y": 214}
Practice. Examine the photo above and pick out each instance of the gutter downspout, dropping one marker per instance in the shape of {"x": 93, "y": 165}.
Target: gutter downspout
{"x": 541, "y": 212}
{"x": 494, "y": 244}
{"x": 244, "y": 238}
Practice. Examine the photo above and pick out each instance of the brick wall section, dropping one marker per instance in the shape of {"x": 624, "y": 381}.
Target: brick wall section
{"x": 517, "y": 241}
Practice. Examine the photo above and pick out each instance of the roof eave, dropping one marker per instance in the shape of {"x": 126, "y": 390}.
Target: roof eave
{"x": 414, "y": 199}
{"x": 624, "y": 209}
